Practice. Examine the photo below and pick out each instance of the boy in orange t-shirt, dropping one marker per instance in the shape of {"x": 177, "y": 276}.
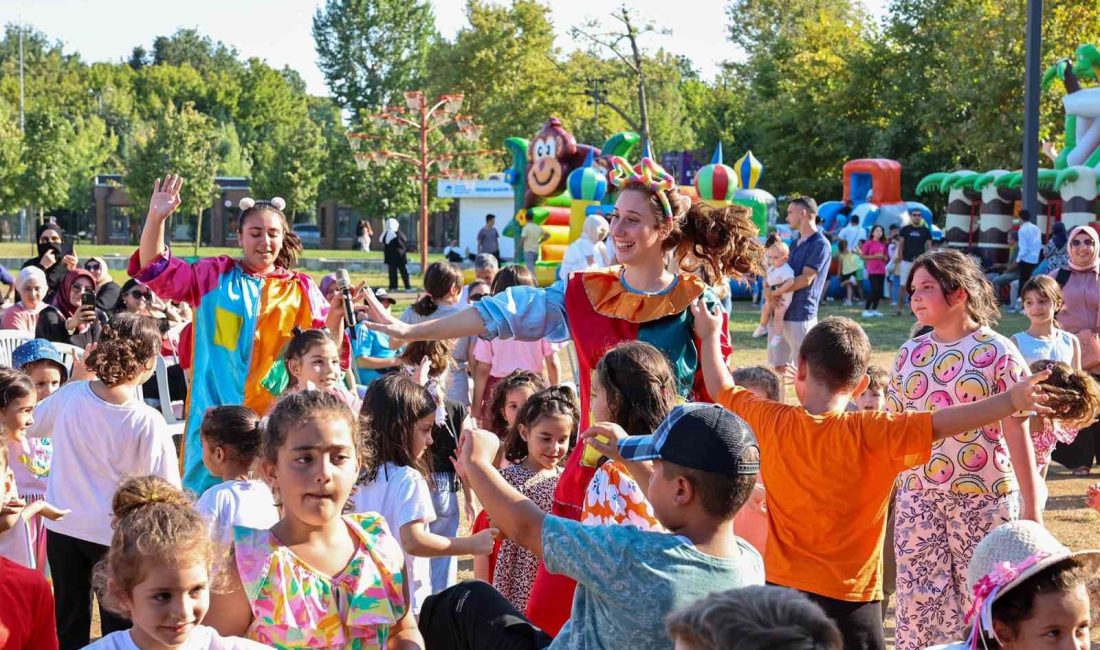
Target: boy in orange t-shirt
{"x": 829, "y": 471}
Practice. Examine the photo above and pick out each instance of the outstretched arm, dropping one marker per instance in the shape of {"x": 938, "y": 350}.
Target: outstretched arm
{"x": 165, "y": 200}
{"x": 517, "y": 516}
{"x": 708, "y": 327}
{"x": 1027, "y": 395}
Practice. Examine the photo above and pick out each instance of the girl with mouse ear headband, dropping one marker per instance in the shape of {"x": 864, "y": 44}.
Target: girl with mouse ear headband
{"x": 245, "y": 309}
{"x": 638, "y": 300}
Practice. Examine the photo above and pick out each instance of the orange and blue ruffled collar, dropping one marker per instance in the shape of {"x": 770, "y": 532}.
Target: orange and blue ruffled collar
{"x": 611, "y": 296}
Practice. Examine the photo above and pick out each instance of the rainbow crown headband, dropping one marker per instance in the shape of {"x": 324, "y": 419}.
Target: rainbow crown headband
{"x": 647, "y": 173}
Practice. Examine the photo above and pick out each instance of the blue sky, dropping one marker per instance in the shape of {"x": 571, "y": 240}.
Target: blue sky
{"x": 279, "y": 30}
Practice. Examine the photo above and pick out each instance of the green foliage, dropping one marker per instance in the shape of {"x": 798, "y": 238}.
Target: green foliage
{"x": 181, "y": 141}
{"x": 11, "y": 159}
{"x": 371, "y": 51}
{"x": 44, "y": 182}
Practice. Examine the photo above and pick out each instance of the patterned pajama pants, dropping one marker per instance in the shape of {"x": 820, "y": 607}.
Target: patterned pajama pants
{"x": 935, "y": 533}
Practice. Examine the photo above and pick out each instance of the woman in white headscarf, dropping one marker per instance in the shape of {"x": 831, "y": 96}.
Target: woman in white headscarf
{"x": 395, "y": 253}
{"x": 32, "y": 287}
{"x": 582, "y": 254}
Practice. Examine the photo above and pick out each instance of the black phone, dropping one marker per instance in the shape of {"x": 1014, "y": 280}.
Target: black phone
{"x": 68, "y": 245}
{"x": 87, "y": 299}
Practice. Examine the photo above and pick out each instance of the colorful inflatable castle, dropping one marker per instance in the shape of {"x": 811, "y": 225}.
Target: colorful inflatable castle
{"x": 872, "y": 192}
{"x": 982, "y": 206}
{"x": 557, "y": 183}
{"x": 718, "y": 185}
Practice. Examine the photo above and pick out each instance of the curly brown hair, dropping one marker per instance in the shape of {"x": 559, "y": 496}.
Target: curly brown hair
{"x": 292, "y": 244}
{"x": 953, "y": 271}
{"x": 1072, "y": 395}
{"x": 125, "y": 349}
{"x": 555, "y": 401}
{"x": 724, "y": 239}
{"x": 153, "y": 520}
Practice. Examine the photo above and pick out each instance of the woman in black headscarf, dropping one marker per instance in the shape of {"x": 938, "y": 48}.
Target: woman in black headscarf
{"x": 51, "y": 260}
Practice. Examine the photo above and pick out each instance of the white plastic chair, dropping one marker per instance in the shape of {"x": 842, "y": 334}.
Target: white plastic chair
{"x": 165, "y": 404}
{"x": 9, "y": 340}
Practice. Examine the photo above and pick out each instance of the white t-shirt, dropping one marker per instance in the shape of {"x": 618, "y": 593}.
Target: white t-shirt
{"x": 96, "y": 445}
{"x": 400, "y": 494}
{"x": 237, "y": 503}
{"x": 201, "y": 638}
{"x": 777, "y": 276}
{"x": 852, "y": 235}
{"x": 576, "y": 257}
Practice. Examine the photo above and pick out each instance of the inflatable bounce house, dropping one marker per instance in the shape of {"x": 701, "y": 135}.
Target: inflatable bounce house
{"x": 982, "y": 206}
{"x": 719, "y": 185}
{"x": 558, "y": 182}
{"x": 872, "y": 191}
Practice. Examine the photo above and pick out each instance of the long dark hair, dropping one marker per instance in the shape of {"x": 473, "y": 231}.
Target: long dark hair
{"x": 439, "y": 280}
{"x": 639, "y": 386}
{"x": 391, "y": 408}
{"x": 556, "y": 401}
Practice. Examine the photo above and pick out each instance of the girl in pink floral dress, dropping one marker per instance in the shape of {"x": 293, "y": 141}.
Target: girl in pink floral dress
{"x": 316, "y": 579}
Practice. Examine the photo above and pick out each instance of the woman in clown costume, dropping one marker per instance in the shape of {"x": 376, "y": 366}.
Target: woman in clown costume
{"x": 639, "y": 300}
{"x": 245, "y": 309}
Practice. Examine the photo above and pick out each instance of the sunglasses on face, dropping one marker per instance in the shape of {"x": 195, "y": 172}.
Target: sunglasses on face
{"x": 1077, "y": 243}
{"x": 474, "y": 297}
{"x": 141, "y": 295}
{"x": 91, "y": 266}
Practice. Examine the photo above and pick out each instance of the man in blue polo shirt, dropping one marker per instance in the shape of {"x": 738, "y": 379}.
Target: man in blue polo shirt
{"x": 810, "y": 257}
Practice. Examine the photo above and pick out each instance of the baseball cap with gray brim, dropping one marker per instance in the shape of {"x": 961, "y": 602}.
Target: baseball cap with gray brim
{"x": 699, "y": 436}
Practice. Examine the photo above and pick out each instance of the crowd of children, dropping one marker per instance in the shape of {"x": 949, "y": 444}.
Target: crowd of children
{"x": 633, "y": 514}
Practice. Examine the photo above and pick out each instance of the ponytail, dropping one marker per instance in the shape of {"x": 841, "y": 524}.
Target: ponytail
{"x": 440, "y": 279}
{"x": 127, "y": 346}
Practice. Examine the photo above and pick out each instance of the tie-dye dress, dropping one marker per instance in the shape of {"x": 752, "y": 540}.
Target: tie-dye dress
{"x": 295, "y": 606}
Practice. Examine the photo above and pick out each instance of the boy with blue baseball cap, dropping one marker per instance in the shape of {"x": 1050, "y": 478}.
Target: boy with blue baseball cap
{"x": 697, "y": 470}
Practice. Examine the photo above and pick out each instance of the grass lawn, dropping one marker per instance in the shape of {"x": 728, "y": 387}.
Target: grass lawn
{"x": 24, "y": 249}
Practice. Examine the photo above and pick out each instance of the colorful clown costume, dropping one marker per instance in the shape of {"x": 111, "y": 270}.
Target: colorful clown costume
{"x": 598, "y": 310}
{"x": 242, "y": 323}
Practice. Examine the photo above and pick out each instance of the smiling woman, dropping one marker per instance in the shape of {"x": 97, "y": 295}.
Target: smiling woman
{"x": 639, "y": 300}
{"x": 245, "y": 310}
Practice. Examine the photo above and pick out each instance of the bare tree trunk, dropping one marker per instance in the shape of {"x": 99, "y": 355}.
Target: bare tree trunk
{"x": 643, "y": 107}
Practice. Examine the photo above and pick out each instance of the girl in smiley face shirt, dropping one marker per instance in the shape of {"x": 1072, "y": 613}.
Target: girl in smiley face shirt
{"x": 973, "y": 482}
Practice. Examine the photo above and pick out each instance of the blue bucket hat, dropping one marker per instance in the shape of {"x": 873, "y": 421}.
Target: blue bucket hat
{"x": 38, "y": 350}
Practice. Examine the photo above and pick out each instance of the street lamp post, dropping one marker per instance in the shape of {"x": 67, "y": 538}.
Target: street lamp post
{"x": 418, "y": 114}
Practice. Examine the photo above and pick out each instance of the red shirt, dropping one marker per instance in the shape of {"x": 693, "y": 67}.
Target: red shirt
{"x": 26, "y": 609}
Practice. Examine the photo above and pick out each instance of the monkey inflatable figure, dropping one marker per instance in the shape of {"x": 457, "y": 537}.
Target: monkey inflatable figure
{"x": 550, "y": 157}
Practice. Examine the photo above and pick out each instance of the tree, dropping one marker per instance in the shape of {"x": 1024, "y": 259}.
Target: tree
{"x": 11, "y": 159}
{"x": 505, "y": 64}
{"x": 44, "y": 183}
{"x": 623, "y": 43}
{"x": 371, "y": 51}
{"x": 183, "y": 142}
{"x": 293, "y": 169}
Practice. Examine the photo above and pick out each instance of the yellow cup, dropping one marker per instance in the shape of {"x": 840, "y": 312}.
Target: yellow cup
{"x": 592, "y": 456}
